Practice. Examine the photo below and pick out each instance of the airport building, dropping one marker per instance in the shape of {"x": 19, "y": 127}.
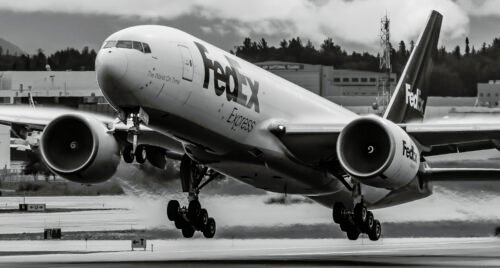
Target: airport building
{"x": 73, "y": 89}
{"x": 488, "y": 94}
{"x": 327, "y": 81}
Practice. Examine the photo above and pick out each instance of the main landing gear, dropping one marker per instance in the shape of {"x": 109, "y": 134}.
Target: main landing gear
{"x": 134, "y": 151}
{"x": 359, "y": 220}
{"x": 193, "y": 217}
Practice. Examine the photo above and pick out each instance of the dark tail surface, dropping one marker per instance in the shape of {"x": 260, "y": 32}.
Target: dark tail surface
{"x": 410, "y": 96}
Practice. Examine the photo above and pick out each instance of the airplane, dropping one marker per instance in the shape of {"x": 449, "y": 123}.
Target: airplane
{"x": 181, "y": 98}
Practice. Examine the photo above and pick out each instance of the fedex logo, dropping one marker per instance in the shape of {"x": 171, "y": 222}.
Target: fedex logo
{"x": 229, "y": 80}
{"x": 414, "y": 99}
{"x": 409, "y": 152}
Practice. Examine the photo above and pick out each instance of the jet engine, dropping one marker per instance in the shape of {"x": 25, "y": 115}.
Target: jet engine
{"x": 79, "y": 148}
{"x": 378, "y": 152}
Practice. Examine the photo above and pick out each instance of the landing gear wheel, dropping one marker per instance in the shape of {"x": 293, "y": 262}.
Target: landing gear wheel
{"x": 353, "y": 233}
{"x": 173, "y": 210}
{"x": 128, "y": 154}
{"x": 202, "y": 219}
{"x": 344, "y": 226}
{"x": 188, "y": 231}
{"x": 140, "y": 154}
{"x": 209, "y": 230}
{"x": 360, "y": 213}
{"x": 194, "y": 210}
{"x": 180, "y": 223}
{"x": 376, "y": 231}
{"x": 338, "y": 212}
{"x": 369, "y": 222}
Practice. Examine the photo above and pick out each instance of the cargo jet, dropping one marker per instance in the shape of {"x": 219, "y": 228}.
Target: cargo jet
{"x": 179, "y": 97}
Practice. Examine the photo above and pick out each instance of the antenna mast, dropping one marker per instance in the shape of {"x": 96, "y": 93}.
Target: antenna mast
{"x": 385, "y": 61}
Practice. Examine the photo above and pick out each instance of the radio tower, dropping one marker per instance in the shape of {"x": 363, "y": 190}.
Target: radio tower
{"x": 385, "y": 61}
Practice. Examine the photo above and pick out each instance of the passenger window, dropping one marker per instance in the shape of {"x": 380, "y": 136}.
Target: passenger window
{"x": 109, "y": 44}
{"x": 138, "y": 46}
{"x": 147, "y": 49}
{"x": 124, "y": 44}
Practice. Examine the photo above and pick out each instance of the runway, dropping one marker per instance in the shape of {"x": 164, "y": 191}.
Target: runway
{"x": 464, "y": 252}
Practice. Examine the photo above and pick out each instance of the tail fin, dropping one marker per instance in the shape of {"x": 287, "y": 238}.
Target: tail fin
{"x": 409, "y": 99}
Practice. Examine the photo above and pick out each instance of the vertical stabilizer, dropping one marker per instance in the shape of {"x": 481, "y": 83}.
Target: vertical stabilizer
{"x": 410, "y": 95}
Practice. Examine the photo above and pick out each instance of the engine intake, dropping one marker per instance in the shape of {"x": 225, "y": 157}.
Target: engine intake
{"x": 378, "y": 152}
{"x": 78, "y": 148}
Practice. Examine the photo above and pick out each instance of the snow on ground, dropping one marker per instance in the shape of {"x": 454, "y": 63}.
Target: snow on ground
{"x": 250, "y": 210}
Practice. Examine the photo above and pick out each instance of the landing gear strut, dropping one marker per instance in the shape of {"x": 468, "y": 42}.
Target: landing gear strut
{"x": 357, "y": 221}
{"x": 193, "y": 217}
{"x": 135, "y": 151}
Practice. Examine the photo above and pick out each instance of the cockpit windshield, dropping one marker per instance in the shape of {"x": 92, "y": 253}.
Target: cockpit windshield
{"x": 142, "y": 47}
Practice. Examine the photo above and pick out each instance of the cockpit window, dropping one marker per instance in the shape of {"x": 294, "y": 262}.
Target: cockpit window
{"x": 142, "y": 47}
{"x": 124, "y": 44}
{"x": 147, "y": 49}
{"x": 138, "y": 46}
{"x": 109, "y": 44}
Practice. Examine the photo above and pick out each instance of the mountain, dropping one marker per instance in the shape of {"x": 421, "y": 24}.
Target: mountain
{"x": 13, "y": 49}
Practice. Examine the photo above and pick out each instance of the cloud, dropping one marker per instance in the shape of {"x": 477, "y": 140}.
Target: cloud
{"x": 355, "y": 21}
{"x": 481, "y": 7}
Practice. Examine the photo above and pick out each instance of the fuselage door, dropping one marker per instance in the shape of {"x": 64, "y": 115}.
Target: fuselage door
{"x": 187, "y": 63}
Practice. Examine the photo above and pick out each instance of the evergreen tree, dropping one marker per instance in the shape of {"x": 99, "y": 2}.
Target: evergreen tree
{"x": 467, "y": 48}
{"x": 456, "y": 52}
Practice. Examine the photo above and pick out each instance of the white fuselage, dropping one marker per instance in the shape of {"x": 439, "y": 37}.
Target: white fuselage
{"x": 220, "y": 107}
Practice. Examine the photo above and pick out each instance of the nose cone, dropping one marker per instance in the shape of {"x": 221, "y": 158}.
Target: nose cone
{"x": 111, "y": 67}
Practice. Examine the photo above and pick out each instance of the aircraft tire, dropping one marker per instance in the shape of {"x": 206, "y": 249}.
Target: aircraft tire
{"x": 353, "y": 233}
{"x": 188, "y": 231}
{"x": 338, "y": 212}
{"x": 173, "y": 210}
{"x": 360, "y": 213}
{"x": 140, "y": 154}
{"x": 344, "y": 226}
{"x": 180, "y": 223}
{"x": 194, "y": 210}
{"x": 128, "y": 155}
{"x": 210, "y": 228}
{"x": 202, "y": 220}
{"x": 375, "y": 233}
{"x": 368, "y": 226}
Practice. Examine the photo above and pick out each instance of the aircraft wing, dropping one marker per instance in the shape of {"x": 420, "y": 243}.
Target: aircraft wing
{"x": 444, "y": 138}
{"x": 36, "y": 118}
{"x": 315, "y": 144}
{"x": 460, "y": 174}
{"x": 434, "y": 134}
{"x": 311, "y": 144}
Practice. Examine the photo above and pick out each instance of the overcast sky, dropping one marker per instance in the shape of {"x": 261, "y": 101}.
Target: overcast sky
{"x": 56, "y": 24}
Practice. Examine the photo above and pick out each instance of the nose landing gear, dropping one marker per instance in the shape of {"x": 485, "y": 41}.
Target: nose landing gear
{"x": 193, "y": 217}
{"x": 135, "y": 151}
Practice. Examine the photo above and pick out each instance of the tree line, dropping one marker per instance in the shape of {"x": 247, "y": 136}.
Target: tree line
{"x": 69, "y": 59}
{"x": 454, "y": 73}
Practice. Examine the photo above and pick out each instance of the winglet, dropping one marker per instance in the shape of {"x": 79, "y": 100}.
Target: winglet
{"x": 410, "y": 97}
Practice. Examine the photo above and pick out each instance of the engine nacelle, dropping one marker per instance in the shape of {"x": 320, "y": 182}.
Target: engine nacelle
{"x": 378, "y": 153}
{"x": 78, "y": 148}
